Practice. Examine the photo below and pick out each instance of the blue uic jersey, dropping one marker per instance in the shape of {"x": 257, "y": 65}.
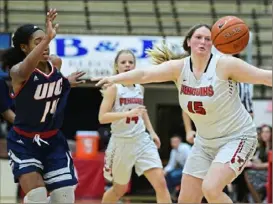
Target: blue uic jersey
{"x": 41, "y": 101}
{"x": 35, "y": 143}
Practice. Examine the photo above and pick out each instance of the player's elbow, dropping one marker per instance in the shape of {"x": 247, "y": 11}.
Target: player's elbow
{"x": 103, "y": 119}
{"x": 266, "y": 78}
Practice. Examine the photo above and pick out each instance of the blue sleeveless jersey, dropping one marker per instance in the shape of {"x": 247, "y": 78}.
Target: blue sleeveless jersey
{"x": 40, "y": 104}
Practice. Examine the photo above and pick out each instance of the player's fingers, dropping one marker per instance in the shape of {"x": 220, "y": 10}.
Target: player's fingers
{"x": 52, "y": 13}
{"x": 48, "y": 16}
{"x": 54, "y": 16}
{"x": 105, "y": 86}
{"x": 96, "y": 78}
{"x": 81, "y": 82}
{"x": 141, "y": 111}
{"x": 102, "y": 82}
{"x": 80, "y": 74}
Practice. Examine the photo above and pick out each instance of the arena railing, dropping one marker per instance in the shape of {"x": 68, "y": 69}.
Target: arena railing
{"x": 127, "y": 16}
{"x": 158, "y": 18}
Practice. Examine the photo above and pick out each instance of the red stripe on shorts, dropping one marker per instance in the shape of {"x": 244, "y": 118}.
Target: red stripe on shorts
{"x": 240, "y": 146}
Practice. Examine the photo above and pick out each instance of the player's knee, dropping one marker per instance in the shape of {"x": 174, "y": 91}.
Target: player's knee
{"x": 120, "y": 190}
{"x": 210, "y": 190}
{"x": 37, "y": 195}
{"x": 63, "y": 195}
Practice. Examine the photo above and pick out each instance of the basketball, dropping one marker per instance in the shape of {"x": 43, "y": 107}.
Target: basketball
{"x": 230, "y": 35}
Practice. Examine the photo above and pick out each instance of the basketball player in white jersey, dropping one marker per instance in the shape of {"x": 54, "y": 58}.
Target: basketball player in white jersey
{"x": 130, "y": 145}
{"x": 206, "y": 83}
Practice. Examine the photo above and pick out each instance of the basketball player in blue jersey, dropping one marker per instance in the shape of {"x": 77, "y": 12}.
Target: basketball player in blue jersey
{"x": 38, "y": 151}
{"x": 226, "y": 135}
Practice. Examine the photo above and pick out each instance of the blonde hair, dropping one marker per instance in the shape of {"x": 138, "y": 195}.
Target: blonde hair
{"x": 127, "y": 51}
{"x": 163, "y": 53}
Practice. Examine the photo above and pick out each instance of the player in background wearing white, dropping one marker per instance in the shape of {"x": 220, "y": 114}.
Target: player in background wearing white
{"x": 130, "y": 145}
{"x": 226, "y": 135}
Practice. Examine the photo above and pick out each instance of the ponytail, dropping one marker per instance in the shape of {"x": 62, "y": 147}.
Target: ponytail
{"x": 163, "y": 53}
{"x": 11, "y": 57}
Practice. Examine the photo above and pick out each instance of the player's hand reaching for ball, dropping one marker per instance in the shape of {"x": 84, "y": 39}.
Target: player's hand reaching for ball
{"x": 51, "y": 29}
{"x": 135, "y": 112}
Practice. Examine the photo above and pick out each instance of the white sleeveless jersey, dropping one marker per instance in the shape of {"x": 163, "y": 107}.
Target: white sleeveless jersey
{"x": 213, "y": 104}
{"x": 128, "y": 97}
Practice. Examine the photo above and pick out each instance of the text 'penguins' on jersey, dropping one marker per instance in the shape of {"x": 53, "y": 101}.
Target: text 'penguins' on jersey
{"x": 213, "y": 104}
{"x": 127, "y": 98}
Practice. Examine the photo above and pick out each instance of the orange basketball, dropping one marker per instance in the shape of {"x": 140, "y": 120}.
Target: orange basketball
{"x": 230, "y": 35}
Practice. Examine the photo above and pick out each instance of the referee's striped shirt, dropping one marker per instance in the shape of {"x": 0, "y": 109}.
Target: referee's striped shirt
{"x": 246, "y": 94}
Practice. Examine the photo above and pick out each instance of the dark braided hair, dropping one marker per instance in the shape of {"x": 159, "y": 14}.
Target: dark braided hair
{"x": 14, "y": 55}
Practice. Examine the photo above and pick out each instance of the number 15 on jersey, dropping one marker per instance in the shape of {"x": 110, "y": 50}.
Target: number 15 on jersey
{"x": 196, "y": 107}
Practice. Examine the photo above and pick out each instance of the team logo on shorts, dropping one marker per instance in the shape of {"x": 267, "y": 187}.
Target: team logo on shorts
{"x": 240, "y": 160}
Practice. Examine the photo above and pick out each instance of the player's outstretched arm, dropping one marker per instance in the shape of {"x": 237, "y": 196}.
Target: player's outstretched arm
{"x": 167, "y": 71}
{"x": 23, "y": 70}
{"x": 241, "y": 71}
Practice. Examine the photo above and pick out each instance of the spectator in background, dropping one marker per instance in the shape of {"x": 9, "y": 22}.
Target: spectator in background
{"x": 256, "y": 174}
{"x": 178, "y": 157}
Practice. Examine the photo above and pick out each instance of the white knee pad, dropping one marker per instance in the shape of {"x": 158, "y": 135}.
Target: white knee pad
{"x": 63, "y": 195}
{"x": 37, "y": 195}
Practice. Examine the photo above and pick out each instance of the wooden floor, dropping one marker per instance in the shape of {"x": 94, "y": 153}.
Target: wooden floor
{"x": 125, "y": 199}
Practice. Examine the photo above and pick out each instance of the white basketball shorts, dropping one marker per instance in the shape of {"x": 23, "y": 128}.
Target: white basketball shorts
{"x": 123, "y": 153}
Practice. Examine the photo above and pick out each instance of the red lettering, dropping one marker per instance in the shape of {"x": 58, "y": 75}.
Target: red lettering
{"x": 202, "y": 91}
{"x": 126, "y": 101}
